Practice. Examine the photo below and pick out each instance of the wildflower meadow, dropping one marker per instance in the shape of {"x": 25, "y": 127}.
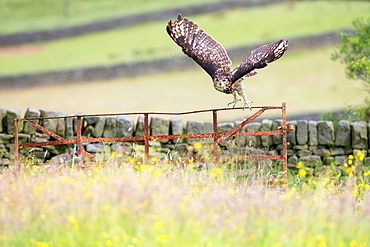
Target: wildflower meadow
{"x": 158, "y": 203}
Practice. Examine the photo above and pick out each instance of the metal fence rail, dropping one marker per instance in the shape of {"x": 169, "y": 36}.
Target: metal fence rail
{"x": 217, "y": 137}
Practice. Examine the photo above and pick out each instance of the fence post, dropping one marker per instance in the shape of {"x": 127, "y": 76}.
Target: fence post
{"x": 285, "y": 150}
{"x": 146, "y": 135}
{"x": 16, "y": 146}
{"x": 79, "y": 141}
{"x": 215, "y": 135}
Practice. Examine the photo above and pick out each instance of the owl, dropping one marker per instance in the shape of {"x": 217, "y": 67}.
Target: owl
{"x": 213, "y": 58}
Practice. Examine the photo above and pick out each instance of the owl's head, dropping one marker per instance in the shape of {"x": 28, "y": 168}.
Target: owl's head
{"x": 220, "y": 84}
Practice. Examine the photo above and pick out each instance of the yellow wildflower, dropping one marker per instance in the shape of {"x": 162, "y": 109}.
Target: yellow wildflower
{"x": 42, "y": 244}
{"x": 300, "y": 164}
{"x": 198, "y": 145}
{"x": 302, "y": 172}
{"x": 163, "y": 238}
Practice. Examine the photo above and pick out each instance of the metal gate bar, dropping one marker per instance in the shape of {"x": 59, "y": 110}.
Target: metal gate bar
{"x": 217, "y": 137}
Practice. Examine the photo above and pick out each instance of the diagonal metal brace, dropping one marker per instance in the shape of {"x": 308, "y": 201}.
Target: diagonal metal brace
{"x": 59, "y": 138}
{"x": 241, "y": 125}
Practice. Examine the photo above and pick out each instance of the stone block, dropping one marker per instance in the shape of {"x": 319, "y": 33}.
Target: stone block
{"x": 95, "y": 147}
{"x": 88, "y": 130}
{"x": 325, "y": 131}
{"x": 121, "y": 148}
{"x": 328, "y": 161}
{"x": 208, "y": 128}
{"x": 340, "y": 160}
{"x": 125, "y": 126}
{"x": 2, "y": 120}
{"x": 367, "y": 161}
{"x": 253, "y": 141}
{"x": 266, "y": 140}
{"x": 49, "y": 124}
{"x": 343, "y": 134}
{"x": 110, "y": 128}
{"x": 240, "y": 140}
{"x": 335, "y": 151}
{"x": 291, "y": 134}
{"x": 61, "y": 125}
{"x": 69, "y": 129}
{"x": 293, "y": 159}
{"x": 91, "y": 120}
{"x": 277, "y": 139}
{"x": 176, "y": 127}
{"x": 323, "y": 152}
{"x": 139, "y": 129}
{"x": 99, "y": 127}
{"x": 311, "y": 160}
{"x": 194, "y": 127}
{"x": 302, "y": 132}
{"x": 10, "y": 116}
{"x": 160, "y": 126}
{"x": 312, "y": 133}
{"x": 359, "y": 135}
{"x": 300, "y": 147}
{"x": 304, "y": 152}
{"x": 31, "y": 113}
{"x": 291, "y": 152}
{"x": 225, "y": 127}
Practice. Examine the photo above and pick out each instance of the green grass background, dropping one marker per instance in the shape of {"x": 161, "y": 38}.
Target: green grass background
{"x": 30, "y": 15}
{"x": 231, "y": 28}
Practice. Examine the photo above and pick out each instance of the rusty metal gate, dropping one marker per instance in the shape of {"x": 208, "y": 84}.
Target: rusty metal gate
{"x": 217, "y": 137}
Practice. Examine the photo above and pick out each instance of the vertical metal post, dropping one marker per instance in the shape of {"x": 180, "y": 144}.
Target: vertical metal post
{"x": 215, "y": 135}
{"x": 146, "y": 135}
{"x": 285, "y": 150}
{"x": 79, "y": 140}
{"x": 16, "y": 146}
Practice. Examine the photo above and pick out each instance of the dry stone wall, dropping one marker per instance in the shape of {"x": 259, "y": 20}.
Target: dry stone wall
{"x": 313, "y": 142}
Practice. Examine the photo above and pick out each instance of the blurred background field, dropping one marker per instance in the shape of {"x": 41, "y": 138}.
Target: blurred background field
{"x": 47, "y": 14}
{"x": 147, "y": 41}
{"x": 307, "y": 79}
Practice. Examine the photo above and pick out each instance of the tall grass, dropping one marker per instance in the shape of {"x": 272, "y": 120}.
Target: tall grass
{"x": 136, "y": 204}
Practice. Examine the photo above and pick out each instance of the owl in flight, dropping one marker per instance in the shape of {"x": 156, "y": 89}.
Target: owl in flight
{"x": 213, "y": 58}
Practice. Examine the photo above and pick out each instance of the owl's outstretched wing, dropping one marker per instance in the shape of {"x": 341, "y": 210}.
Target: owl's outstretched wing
{"x": 198, "y": 45}
{"x": 259, "y": 58}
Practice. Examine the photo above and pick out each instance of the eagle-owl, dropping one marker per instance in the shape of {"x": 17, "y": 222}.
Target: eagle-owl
{"x": 213, "y": 58}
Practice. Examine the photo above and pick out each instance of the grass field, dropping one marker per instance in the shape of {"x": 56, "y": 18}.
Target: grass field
{"x": 29, "y": 15}
{"x": 135, "y": 204}
{"x": 308, "y": 81}
{"x": 150, "y": 40}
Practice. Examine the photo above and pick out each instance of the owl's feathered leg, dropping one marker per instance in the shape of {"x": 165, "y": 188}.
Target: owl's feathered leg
{"x": 240, "y": 90}
{"x": 246, "y": 101}
{"x": 236, "y": 99}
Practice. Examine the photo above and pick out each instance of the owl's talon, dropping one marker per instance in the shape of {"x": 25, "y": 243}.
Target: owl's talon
{"x": 247, "y": 103}
{"x": 233, "y": 102}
